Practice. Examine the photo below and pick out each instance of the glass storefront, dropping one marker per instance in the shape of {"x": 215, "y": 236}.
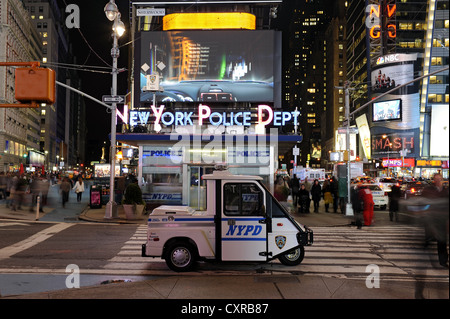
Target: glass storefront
{"x": 173, "y": 176}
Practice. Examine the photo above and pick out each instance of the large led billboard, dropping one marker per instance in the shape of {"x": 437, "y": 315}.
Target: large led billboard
{"x": 439, "y": 140}
{"x": 387, "y": 110}
{"x": 210, "y": 66}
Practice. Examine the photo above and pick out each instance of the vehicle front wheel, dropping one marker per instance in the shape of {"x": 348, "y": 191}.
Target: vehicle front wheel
{"x": 293, "y": 257}
{"x": 180, "y": 256}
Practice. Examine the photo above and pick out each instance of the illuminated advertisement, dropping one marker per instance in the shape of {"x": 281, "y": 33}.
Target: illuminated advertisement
{"x": 210, "y": 66}
{"x": 387, "y": 110}
{"x": 364, "y": 135}
{"x": 385, "y": 79}
{"x": 393, "y": 143}
{"x": 439, "y": 130}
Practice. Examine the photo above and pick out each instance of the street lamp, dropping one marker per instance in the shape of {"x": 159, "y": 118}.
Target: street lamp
{"x": 113, "y": 14}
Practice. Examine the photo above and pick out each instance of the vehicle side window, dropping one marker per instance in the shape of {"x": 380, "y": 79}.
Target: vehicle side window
{"x": 242, "y": 199}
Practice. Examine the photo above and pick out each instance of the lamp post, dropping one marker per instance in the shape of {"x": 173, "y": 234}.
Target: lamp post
{"x": 113, "y": 14}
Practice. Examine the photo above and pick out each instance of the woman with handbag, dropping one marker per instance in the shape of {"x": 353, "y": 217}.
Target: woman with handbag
{"x": 79, "y": 188}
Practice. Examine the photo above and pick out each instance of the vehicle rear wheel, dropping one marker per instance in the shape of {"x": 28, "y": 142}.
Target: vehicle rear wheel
{"x": 180, "y": 256}
{"x": 293, "y": 257}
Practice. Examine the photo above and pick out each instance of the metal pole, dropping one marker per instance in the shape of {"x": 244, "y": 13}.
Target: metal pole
{"x": 111, "y": 207}
{"x": 37, "y": 208}
{"x": 348, "y": 208}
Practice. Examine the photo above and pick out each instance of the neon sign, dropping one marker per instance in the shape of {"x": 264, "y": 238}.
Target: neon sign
{"x": 373, "y": 21}
{"x": 265, "y": 116}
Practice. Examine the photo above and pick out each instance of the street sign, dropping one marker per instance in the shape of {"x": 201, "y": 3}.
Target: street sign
{"x": 351, "y": 130}
{"x": 150, "y": 12}
{"x": 296, "y": 151}
{"x": 113, "y": 99}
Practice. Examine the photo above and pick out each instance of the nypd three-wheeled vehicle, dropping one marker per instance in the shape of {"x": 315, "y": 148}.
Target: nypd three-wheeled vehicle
{"x": 242, "y": 222}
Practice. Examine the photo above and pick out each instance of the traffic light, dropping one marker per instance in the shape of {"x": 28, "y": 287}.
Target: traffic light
{"x": 33, "y": 85}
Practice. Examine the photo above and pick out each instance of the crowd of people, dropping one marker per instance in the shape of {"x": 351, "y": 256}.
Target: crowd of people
{"x": 304, "y": 192}
{"x": 19, "y": 189}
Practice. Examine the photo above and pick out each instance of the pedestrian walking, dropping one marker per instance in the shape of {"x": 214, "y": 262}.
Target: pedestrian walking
{"x": 65, "y": 189}
{"x": 436, "y": 217}
{"x": 367, "y": 199}
{"x": 316, "y": 194}
{"x": 79, "y": 188}
{"x": 334, "y": 188}
{"x": 357, "y": 206}
{"x": 295, "y": 189}
{"x": 35, "y": 188}
{"x": 394, "y": 197}
{"x": 327, "y": 196}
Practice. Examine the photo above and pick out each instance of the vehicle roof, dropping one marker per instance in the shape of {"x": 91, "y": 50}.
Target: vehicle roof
{"x": 229, "y": 176}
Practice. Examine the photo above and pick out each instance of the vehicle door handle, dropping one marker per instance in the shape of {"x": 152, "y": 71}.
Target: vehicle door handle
{"x": 231, "y": 222}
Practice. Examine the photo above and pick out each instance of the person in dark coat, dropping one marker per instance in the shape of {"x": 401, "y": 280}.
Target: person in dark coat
{"x": 316, "y": 193}
{"x": 295, "y": 189}
{"x": 357, "y": 206}
{"x": 334, "y": 187}
{"x": 303, "y": 199}
{"x": 394, "y": 196}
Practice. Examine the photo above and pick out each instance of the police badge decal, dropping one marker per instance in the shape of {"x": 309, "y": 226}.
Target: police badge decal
{"x": 280, "y": 241}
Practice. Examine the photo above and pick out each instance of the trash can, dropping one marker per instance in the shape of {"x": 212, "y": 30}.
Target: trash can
{"x": 95, "y": 193}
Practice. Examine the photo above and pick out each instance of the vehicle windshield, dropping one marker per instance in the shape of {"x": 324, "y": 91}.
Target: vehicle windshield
{"x": 274, "y": 209}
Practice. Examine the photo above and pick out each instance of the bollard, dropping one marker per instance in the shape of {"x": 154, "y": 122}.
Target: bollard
{"x": 37, "y": 208}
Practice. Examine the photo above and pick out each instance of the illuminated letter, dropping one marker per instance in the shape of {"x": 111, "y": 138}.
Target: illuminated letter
{"x": 374, "y": 9}
{"x": 158, "y": 115}
{"x": 391, "y": 10}
{"x": 123, "y": 116}
{"x": 203, "y": 115}
{"x": 392, "y": 30}
{"x": 372, "y": 32}
{"x": 261, "y": 108}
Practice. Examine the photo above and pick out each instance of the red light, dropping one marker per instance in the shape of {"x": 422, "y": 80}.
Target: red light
{"x": 413, "y": 190}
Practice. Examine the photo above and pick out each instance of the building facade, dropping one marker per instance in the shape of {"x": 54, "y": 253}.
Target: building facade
{"x": 397, "y": 42}
{"x": 19, "y": 128}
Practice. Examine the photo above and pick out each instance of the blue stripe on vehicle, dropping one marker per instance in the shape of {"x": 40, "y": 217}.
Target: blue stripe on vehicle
{"x": 244, "y": 239}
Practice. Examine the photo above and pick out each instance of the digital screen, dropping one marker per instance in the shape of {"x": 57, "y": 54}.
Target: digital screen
{"x": 387, "y": 110}
{"x": 211, "y": 66}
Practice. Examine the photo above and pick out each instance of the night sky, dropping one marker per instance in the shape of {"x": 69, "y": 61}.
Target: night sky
{"x": 96, "y": 29}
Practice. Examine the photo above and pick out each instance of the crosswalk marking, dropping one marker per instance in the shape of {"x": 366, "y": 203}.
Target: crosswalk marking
{"x": 33, "y": 240}
{"x": 342, "y": 251}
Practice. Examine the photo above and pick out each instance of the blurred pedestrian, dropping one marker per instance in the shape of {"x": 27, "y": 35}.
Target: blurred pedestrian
{"x": 295, "y": 189}
{"x": 34, "y": 187}
{"x": 65, "y": 187}
{"x": 316, "y": 194}
{"x": 327, "y": 196}
{"x": 357, "y": 206}
{"x": 334, "y": 188}
{"x": 79, "y": 188}
{"x": 436, "y": 217}
{"x": 394, "y": 197}
{"x": 18, "y": 189}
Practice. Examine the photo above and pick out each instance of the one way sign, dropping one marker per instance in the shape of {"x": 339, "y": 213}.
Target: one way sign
{"x": 113, "y": 99}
